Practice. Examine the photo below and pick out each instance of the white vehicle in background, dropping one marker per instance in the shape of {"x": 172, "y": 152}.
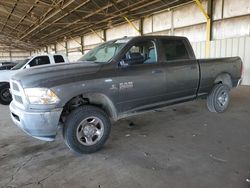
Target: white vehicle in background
{"x": 33, "y": 61}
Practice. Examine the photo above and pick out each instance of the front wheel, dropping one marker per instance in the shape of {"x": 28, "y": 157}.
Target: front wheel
{"x": 218, "y": 99}
{"x": 86, "y": 129}
{"x": 5, "y": 96}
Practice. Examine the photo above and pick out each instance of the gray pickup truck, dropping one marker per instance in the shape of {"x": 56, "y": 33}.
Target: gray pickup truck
{"x": 115, "y": 80}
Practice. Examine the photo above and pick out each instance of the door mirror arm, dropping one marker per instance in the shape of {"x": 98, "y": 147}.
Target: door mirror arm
{"x": 27, "y": 66}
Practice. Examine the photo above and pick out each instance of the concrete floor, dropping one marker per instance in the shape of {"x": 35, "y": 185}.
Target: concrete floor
{"x": 179, "y": 146}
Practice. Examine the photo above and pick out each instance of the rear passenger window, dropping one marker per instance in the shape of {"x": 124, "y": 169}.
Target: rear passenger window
{"x": 58, "y": 59}
{"x": 174, "y": 50}
{"x": 41, "y": 60}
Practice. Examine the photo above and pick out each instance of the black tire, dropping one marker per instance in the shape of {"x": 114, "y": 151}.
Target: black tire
{"x": 218, "y": 99}
{"x": 71, "y": 129}
{"x": 5, "y": 96}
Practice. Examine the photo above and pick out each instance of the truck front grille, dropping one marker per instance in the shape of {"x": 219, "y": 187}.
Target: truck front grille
{"x": 17, "y": 93}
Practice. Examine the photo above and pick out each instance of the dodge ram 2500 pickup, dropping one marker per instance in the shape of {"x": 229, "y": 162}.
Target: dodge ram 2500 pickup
{"x": 115, "y": 80}
{"x": 37, "y": 60}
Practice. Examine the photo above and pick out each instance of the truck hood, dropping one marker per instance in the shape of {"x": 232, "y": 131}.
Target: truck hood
{"x": 5, "y": 75}
{"x": 53, "y": 75}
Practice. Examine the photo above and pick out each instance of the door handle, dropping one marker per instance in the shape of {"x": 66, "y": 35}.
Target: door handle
{"x": 157, "y": 71}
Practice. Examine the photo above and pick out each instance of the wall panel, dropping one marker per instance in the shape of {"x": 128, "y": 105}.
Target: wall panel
{"x": 236, "y": 8}
{"x": 228, "y": 48}
{"x": 122, "y": 30}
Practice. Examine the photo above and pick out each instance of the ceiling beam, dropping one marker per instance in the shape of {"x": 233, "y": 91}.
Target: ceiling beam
{"x": 61, "y": 17}
{"x": 42, "y": 4}
{"x": 83, "y": 18}
{"x": 28, "y": 12}
{"x": 3, "y": 10}
{"x": 9, "y": 15}
{"x": 12, "y": 28}
{"x": 46, "y": 18}
{"x": 119, "y": 13}
{"x": 9, "y": 40}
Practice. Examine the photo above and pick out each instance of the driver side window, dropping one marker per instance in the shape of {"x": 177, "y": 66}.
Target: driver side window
{"x": 41, "y": 60}
{"x": 141, "y": 53}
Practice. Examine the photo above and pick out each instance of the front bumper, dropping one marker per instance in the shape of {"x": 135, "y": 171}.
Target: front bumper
{"x": 41, "y": 125}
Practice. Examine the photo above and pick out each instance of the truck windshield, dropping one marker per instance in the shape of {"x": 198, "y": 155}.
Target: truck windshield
{"x": 104, "y": 52}
{"x": 20, "y": 65}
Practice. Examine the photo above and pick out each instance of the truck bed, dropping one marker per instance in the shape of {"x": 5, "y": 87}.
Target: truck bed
{"x": 218, "y": 68}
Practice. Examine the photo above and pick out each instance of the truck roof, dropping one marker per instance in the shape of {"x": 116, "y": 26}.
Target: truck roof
{"x": 151, "y": 36}
{"x": 44, "y": 54}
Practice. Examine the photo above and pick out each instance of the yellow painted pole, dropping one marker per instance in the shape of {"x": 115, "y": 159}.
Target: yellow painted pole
{"x": 132, "y": 25}
{"x": 202, "y": 9}
{"x": 208, "y": 37}
{"x": 208, "y": 27}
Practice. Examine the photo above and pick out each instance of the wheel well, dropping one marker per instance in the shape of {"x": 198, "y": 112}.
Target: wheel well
{"x": 4, "y": 83}
{"x": 95, "y": 99}
{"x": 224, "y": 78}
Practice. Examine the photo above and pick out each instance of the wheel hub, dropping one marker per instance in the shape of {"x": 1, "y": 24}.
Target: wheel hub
{"x": 6, "y": 94}
{"x": 223, "y": 98}
{"x": 89, "y": 130}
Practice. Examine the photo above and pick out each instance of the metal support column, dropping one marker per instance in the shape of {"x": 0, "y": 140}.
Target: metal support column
{"x": 66, "y": 48}
{"x": 82, "y": 45}
{"x": 172, "y": 22}
{"x": 105, "y": 35}
{"x": 210, "y": 14}
{"x": 46, "y": 49}
{"x": 208, "y": 27}
{"x": 55, "y": 48}
{"x": 141, "y": 26}
{"x": 10, "y": 55}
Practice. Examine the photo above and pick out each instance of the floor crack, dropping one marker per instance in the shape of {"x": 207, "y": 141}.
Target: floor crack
{"x": 17, "y": 170}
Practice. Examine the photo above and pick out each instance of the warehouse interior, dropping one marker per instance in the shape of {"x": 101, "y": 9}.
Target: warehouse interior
{"x": 74, "y": 27}
{"x": 179, "y": 146}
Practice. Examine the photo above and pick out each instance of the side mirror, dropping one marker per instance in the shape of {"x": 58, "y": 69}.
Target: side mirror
{"x": 27, "y": 66}
{"x": 123, "y": 63}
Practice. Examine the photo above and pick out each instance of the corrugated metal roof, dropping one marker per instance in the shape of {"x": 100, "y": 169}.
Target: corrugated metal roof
{"x": 28, "y": 24}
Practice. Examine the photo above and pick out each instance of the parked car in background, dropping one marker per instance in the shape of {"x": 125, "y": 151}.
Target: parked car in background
{"x": 7, "y": 65}
{"x": 115, "y": 80}
{"x": 33, "y": 61}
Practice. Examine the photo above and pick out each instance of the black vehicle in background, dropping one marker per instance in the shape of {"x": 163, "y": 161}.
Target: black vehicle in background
{"x": 7, "y": 65}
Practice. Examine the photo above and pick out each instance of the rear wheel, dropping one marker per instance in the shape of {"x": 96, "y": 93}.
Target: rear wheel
{"x": 86, "y": 129}
{"x": 218, "y": 99}
{"x": 5, "y": 96}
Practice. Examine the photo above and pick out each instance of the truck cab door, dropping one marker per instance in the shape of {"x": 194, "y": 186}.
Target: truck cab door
{"x": 141, "y": 80}
{"x": 181, "y": 68}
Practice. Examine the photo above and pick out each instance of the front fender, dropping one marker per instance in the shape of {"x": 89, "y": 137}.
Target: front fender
{"x": 97, "y": 99}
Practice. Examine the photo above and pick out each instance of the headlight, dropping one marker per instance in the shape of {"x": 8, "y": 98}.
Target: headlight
{"x": 41, "y": 96}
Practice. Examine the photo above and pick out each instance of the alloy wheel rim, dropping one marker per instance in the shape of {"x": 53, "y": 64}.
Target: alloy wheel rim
{"x": 223, "y": 98}
{"x": 90, "y": 131}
